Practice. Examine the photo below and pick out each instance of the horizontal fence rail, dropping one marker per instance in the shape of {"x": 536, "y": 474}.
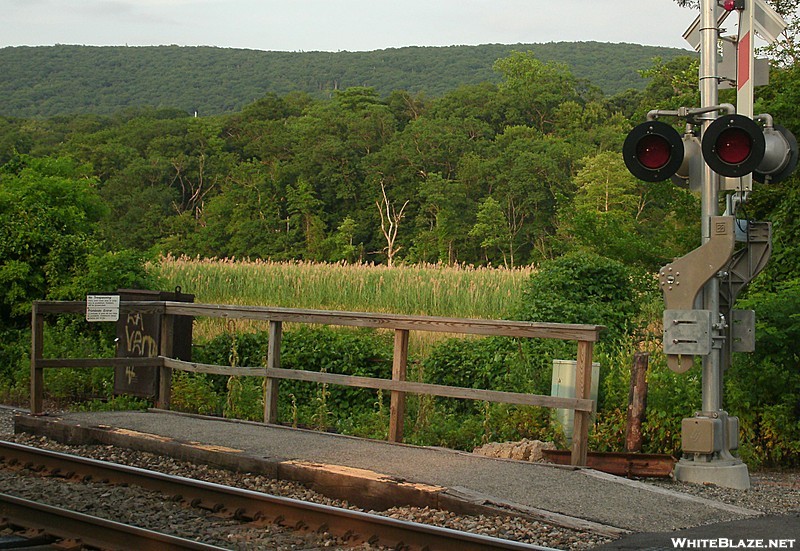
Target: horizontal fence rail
{"x": 585, "y": 335}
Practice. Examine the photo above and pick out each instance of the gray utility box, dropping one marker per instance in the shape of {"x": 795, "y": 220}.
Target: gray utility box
{"x": 563, "y": 386}
{"x": 139, "y": 336}
{"x": 687, "y": 332}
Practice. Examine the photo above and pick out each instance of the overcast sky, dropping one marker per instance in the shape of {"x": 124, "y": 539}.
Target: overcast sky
{"x": 333, "y": 25}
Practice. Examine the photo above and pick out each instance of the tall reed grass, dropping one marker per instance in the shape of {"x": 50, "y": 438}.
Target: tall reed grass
{"x": 425, "y": 289}
{"x": 420, "y": 289}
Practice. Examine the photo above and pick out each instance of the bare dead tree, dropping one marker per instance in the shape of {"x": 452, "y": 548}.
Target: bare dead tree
{"x": 390, "y": 224}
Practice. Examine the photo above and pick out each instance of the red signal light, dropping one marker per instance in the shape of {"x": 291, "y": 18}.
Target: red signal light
{"x": 734, "y": 146}
{"x": 653, "y": 151}
{"x": 730, "y": 5}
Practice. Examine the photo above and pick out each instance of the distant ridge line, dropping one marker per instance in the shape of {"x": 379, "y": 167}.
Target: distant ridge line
{"x": 45, "y": 81}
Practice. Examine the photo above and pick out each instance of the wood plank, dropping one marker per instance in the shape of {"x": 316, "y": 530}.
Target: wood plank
{"x": 165, "y": 372}
{"x": 621, "y": 463}
{"x": 79, "y": 306}
{"x": 99, "y": 362}
{"x": 193, "y": 367}
{"x": 393, "y": 321}
{"x": 397, "y": 409}
{"x": 37, "y": 347}
{"x": 386, "y": 384}
{"x": 271, "y": 389}
{"x": 583, "y": 388}
{"x": 637, "y": 403}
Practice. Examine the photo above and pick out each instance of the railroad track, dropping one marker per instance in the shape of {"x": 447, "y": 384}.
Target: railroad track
{"x": 353, "y": 527}
{"x": 40, "y": 526}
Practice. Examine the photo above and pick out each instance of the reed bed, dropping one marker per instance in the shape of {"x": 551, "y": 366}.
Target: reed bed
{"x": 420, "y": 289}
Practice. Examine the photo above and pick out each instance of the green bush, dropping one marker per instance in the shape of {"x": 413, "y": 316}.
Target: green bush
{"x": 194, "y": 393}
{"x": 584, "y": 287}
{"x": 74, "y": 338}
{"x": 763, "y": 388}
{"x": 492, "y": 363}
{"x": 15, "y": 365}
{"x": 349, "y": 352}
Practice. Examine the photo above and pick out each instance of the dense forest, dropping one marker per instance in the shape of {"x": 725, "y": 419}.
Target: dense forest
{"x": 59, "y": 80}
{"x": 524, "y": 168}
{"x": 501, "y": 174}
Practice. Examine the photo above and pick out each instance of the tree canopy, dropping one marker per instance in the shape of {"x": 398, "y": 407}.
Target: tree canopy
{"x": 65, "y": 80}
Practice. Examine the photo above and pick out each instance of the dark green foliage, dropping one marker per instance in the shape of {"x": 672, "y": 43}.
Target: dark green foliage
{"x": 763, "y": 388}
{"x": 481, "y": 174}
{"x": 50, "y": 209}
{"x": 58, "y": 80}
{"x": 587, "y": 288}
{"x": 362, "y": 353}
{"x": 494, "y": 363}
{"x": 234, "y": 349}
{"x": 15, "y": 365}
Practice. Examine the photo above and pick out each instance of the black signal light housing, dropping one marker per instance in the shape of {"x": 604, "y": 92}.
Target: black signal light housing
{"x": 780, "y": 158}
{"x": 733, "y": 145}
{"x": 653, "y": 151}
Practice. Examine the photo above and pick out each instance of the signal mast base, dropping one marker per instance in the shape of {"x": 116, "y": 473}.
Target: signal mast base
{"x": 728, "y": 473}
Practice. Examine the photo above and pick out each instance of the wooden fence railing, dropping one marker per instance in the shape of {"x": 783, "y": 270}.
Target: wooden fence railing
{"x": 585, "y": 335}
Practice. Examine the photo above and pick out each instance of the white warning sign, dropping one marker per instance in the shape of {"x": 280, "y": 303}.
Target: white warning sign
{"x": 102, "y": 307}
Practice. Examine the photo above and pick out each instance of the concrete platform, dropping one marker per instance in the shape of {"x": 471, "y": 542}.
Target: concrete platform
{"x": 381, "y": 474}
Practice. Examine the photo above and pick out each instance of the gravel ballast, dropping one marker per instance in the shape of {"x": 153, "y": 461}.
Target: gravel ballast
{"x": 771, "y": 493}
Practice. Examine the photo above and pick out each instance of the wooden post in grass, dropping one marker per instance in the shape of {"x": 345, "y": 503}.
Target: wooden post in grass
{"x": 37, "y": 373}
{"x": 166, "y": 351}
{"x": 637, "y": 403}
{"x": 272, "y": 384}
{"x": 398, "y": 405}
{"x": 583, "y": 390}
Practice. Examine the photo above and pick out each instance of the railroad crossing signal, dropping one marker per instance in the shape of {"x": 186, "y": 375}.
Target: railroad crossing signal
{"x": 733, "y": 146}
{"x": 653, "y": 151}
{"x": 723, "y": 149}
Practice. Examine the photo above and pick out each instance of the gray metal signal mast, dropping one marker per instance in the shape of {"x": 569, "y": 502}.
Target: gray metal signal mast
{"x": 721, "y": 151}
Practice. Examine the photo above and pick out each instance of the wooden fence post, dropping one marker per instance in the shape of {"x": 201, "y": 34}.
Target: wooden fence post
{"x": 164, "y": 372}
{"x": 637, "y": 403}
{"x": 37, "y": 373}
{"x": 271, "y": 385}
{"x": 398, "y": 404}
{"x": 583, "y": 389}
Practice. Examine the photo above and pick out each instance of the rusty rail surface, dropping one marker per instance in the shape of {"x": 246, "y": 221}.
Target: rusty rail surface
{"x": 398, "y": 386}
{"x": 86, "y": 530}
{"x": 250, "y": 506}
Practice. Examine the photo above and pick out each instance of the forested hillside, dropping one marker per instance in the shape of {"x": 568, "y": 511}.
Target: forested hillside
{"x": 522, "y": 171}
{"x": 58, "y": 80}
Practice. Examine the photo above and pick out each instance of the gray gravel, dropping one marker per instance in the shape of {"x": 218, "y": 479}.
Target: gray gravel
{"x": 142, "y": 508}
{"x": 771, "y": 493}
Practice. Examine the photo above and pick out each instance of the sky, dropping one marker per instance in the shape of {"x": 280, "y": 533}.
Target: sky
{"x": 339, "y": 25}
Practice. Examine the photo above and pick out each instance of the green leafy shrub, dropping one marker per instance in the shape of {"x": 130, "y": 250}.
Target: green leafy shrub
{"x": 68, "y": 338}
{"x": 194, "y": 393}
{"x": 763, "y": 388}
{"x": 364, "y": 353}
{"x": 117, "y": 403}
{"x": 492, "y": 363}
{"x": 349, "y": 352}
{"x": 245, "y": 398}
{"x": 15, "y": 366}
{"x": 584, "y": 287}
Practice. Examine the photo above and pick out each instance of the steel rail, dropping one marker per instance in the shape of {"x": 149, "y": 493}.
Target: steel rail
{"x": 247, "y": 505}
{"x": 89, "y": 530}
